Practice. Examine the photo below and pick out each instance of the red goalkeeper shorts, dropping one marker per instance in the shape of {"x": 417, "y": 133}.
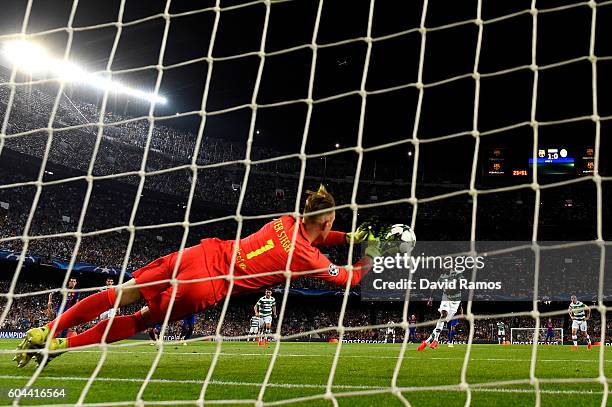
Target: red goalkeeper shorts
{"x": 191, "y": 297}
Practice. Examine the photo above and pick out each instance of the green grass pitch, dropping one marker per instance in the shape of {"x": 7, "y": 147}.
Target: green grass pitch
{"x": 302, "y": 370}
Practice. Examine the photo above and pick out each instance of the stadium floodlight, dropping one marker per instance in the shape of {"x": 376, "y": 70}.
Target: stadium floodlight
{"x": 31, "y": 58}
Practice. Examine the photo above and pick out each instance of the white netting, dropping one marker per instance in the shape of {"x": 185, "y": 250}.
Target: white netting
{"x": 143, "y": 172}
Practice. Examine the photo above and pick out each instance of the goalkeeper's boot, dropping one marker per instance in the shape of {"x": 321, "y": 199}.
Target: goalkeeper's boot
{"x": 34, "y": 338}
{"x": 55, "y": 345}
{"x": 589, "y": 346}
{"x": 450, "y": 345}
{"x": 433, "y": 344}
{"x": 422, "y": 346}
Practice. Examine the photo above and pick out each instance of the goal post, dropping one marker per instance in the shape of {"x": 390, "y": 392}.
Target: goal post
{"x": 520, "y": 336}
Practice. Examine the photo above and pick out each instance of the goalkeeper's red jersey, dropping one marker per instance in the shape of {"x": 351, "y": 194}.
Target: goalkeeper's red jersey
{"x": 268, "y": 250}
{"x": 202, "y": 271}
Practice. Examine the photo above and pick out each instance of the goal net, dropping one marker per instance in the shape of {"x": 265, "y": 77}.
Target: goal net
{"x": 526, "y": 336}
{"x": 130, "y": 131}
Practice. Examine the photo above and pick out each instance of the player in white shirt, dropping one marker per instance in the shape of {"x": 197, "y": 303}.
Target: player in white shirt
{"x": 580, "y": 314}
{"x": 113, "y": 311}
{"x": 501, "y": 332}
{"x": 390, "y": 331}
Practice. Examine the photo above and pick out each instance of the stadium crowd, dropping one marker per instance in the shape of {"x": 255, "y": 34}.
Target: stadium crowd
{"x": 300, "y": 319}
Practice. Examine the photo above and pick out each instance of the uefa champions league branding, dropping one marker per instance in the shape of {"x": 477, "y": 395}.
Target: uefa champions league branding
{"x": 482, "y": 271}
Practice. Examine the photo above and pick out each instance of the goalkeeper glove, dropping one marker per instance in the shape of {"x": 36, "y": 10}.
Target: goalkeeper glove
{"x": 360, "y": 234}
{"x": 373, "y": 249}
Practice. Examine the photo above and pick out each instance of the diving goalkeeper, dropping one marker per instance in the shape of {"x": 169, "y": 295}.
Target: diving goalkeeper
{"x": 265, "y": 251}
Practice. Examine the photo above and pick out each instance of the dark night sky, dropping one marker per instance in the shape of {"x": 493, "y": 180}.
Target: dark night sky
{"x": 563, "y": 92}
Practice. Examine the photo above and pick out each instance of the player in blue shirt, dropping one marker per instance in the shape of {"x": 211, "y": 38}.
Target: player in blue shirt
{"x": 71, "y": 299}
{"x": 187, "y": 329}
{"x": 550, "y": 333}
{"x": 412, "y": 329}
{"x": 452, "y": 331}
{"x": 154, "y": 333}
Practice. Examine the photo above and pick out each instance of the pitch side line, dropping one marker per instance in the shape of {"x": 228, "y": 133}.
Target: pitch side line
{"x": 299, "y": 385}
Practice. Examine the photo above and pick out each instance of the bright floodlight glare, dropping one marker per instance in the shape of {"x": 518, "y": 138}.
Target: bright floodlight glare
{"x": 26, "y": 56}
{"x": 33, "y": 59}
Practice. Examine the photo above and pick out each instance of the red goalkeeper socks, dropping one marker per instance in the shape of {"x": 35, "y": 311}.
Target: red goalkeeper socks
{"x": 84, "y": 311}
{"x": 122, "y": 328}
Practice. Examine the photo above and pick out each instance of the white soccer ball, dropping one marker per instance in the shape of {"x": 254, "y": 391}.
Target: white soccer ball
{"x": 403, "y": 234}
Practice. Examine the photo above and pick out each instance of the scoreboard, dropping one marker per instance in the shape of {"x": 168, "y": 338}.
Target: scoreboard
{"x": 554, "y": 161}
{"x": 551, "y": 160}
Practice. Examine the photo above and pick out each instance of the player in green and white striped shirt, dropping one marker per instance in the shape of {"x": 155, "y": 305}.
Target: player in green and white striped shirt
{"x": 255, "y": 327}
{"x": 580, "y": 314}
{"x": 265, "y": 309}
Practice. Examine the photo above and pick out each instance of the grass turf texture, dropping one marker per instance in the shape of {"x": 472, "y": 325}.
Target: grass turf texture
{"x": 302, "y": 369}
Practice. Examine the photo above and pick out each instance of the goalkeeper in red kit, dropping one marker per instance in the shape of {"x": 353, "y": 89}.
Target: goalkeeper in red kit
{"x": 202, "y": 277}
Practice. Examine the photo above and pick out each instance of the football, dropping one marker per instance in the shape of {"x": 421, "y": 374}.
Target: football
{"x": 401, "y": 233}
